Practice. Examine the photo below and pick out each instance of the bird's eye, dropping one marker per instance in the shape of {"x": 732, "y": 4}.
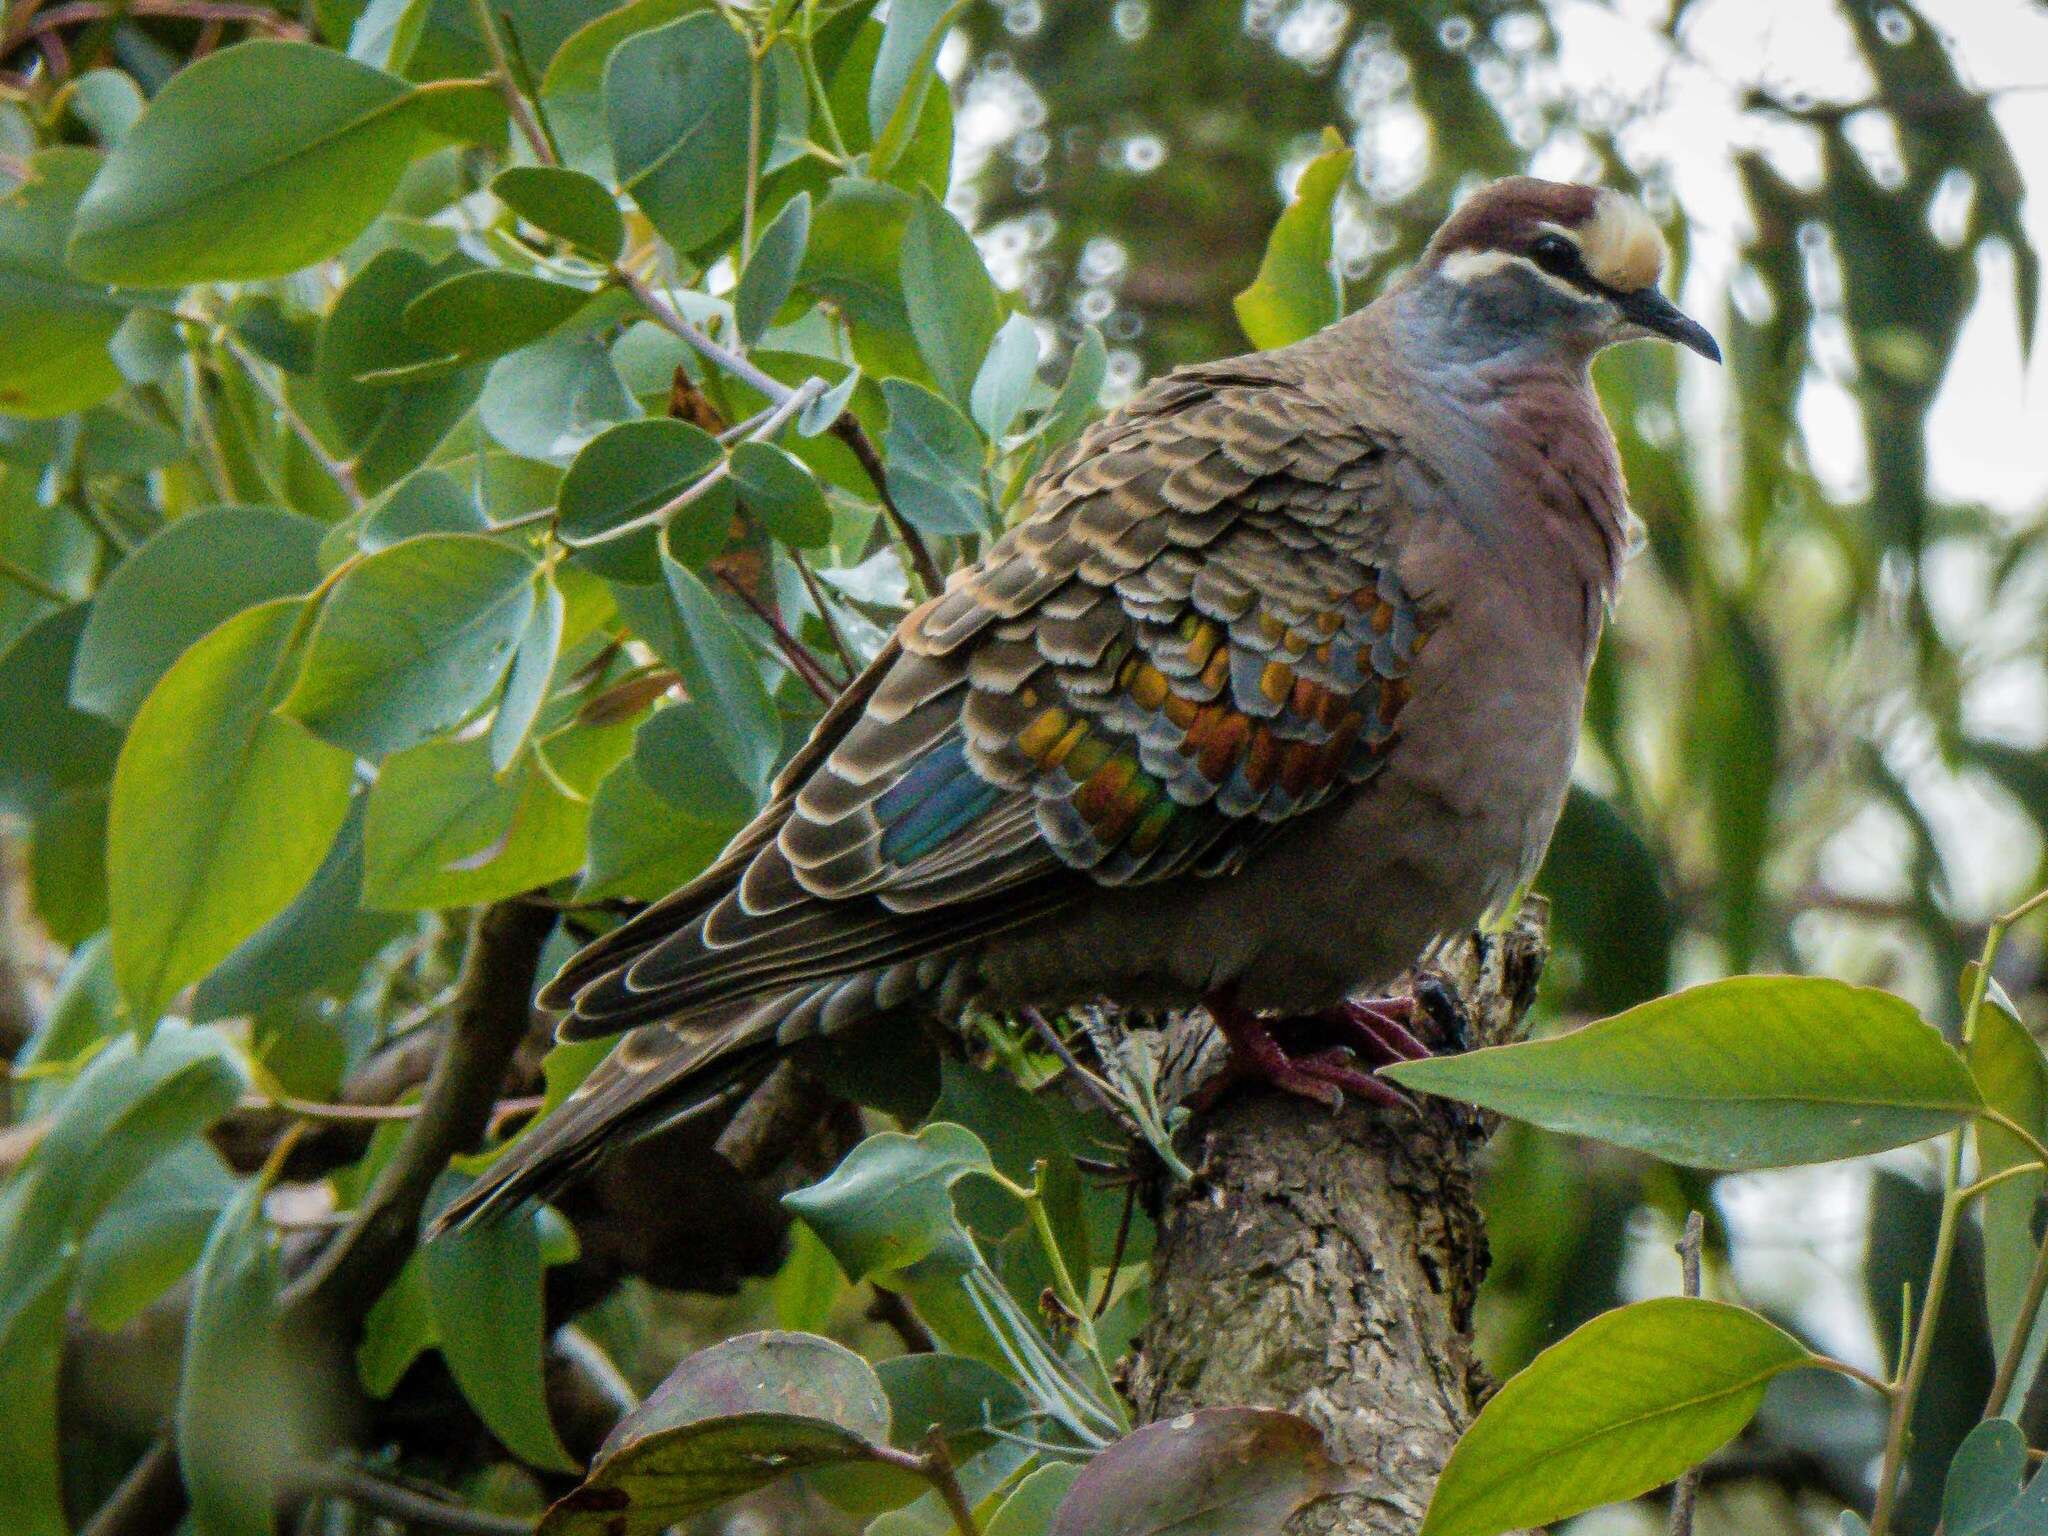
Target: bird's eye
{"x": 1555, "y": 255}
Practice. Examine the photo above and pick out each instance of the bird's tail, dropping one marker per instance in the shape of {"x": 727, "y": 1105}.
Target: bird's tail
{"x": 658, "y": 1076}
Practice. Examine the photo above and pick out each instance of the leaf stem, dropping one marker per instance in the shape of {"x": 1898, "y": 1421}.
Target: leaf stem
{"x": 2022, "y": 1330}
{"x": 1854, "y": 1372}
{"x": 2019, "y": 1132}
{"x": 1917, "y": 1360}
{"x": 1992, "y": 1181}
{"x": 340, "y": 471}
{"x": 1685, "y": 1493}
{"x": 516, "y": 105}
{"x": 753, "y": 194}
{"x": 816, "y": 82}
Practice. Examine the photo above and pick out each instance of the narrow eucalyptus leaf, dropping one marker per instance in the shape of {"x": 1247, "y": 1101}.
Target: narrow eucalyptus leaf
{"x": 770, "y": 274}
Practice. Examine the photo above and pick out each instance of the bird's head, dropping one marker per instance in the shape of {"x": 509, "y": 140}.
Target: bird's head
{"x": 1527, "y": 263}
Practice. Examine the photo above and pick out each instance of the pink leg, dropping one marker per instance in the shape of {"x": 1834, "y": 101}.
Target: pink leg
{"x": 1377, "y": 1028}
{"x": 1326, "y": 1077}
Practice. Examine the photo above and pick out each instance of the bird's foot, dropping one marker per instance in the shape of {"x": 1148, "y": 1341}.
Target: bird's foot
{"x": 1325, "y": 1076}
{"x": 1388, "y": 1029}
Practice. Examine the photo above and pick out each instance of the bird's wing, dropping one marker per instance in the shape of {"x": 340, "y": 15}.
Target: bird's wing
{"x": 1191, "y": 636}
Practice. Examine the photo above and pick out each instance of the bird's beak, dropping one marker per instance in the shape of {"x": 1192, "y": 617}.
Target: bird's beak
{"x": 1656, "y": 315}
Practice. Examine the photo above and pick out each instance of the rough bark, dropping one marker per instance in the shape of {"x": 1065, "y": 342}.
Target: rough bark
{"x": 1329, "y": 1266}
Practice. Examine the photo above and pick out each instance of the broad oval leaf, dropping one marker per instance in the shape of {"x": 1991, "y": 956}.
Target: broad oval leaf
{"x": 391, "y": 398}
{"x": 32, "y": 1339}
{"x": 425, "y": 501}
{"x": 48, "y": 747}
{"x": 1623, "y": 1404}
{"x": 779, "y": 489}
{"x": 57, "y": 327}
{"x": 412, "y": 640}
{"x": 178, "y": 586}
{"x": 1006, "y": 376}
{"x": 721, "y": 674}
{"x": 2008, "y": 1065}
{"x": 641, "y": 846}
{"x": 771, "y": 270}
{"x": 566, "y": 204}
{"x": 478, "y": 315}
{"x": 903, "y": 72}
{"x": 1751, "y": 1072}
{"x": 253, "y": 162}
{"x": 1031, "y": 1505}
{"x": 222, "y": 810}
{"x": 728, "y": 1420}
{"x": 1297, "y": 291}
{"x": 679, "y": 758}
{"x": 483, "y": 1291}
{"x": 676, "y": 109}
{"x": 152, "y": 1233}
{"x": 1984, "y": 1479}
{"x": 629, "y": 472}
{"x": 233, "y": 1368}
{"x": 1212, "y": 1472}
{"x": 526, "y": 685}
{"x": 952, "y": 303}
{"x": 547, "y": 400}
{"x": 935, "y": 461}
{"x": 889, "y": 1203}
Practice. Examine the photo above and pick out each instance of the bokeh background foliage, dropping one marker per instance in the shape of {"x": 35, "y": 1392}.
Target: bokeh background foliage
{"x": 336, "y": 419}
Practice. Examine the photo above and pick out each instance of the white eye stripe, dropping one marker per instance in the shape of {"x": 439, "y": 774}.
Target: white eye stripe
{"x": 1471, "y": 266}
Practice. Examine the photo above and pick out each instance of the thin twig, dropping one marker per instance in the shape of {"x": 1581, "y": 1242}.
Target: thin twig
{"x": 1116, "y": 1254}
{"x": 516, "y": 104}
{"x": 340, "y": 471}
{"x": 150, "y": 1500}
{"x": 933, "y": 1461}
{"x": 1686, "y": 1491}
{"x": 49, "y": 592}
{"x": 801, "y": 662}
{"x": 380, "y": 1496}
{"x": 850, "y": 432}
{"x": 817, "y": 591}
{"x": 35, "y": 24}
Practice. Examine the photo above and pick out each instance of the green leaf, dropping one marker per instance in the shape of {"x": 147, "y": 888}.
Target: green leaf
{"x": 1984, "y": 1479}
{"x": 323, "y": 939}
{"x": 728, "y": 1420}
{"x": 221, "y": 812}
{"x": 188, "y": 578}
{"x": 1029, "y": 1509}
{"x": 1006, "y": 376}
{"x": 935, "y": 461}
{"x": 232, "y": 1378}
{"x": 1212, "y": 1472}
{"x": 547, "y": 400}
{"x": 904, "y": 71}
{"x": 1619, "y": 1407}
{"x": 719, "y": 671}
{"x": 626, "y": 473}
{"x": 889, "y": 1203}
{"x": 808, "y": 1286}
{"x": 151, "y": 1234}
{"x": 1298, "y": 291}
{"x": 770, "y": 274}
{"x": 57, "y": 327}
{"x": 676, "y": 109}
{"x": 251, "y": 163}
{"x": 67, "y": 863}
{"x": 641, "y": 846}
{"x": 481, "y": 315}
{"x": 678, "y": 757}
{"x": 106, "y": 101}
{"x": 952, "y": 303}
{"x": 484, "y": 1292}
{"x": 779, "y": 489}
{"x": 526, "y": 685}
{"x": 399, "y": 1329}
{"x": 1751, "y": 1072}
{"x": 854, "y": 260}
{"x": 1076, "y": 400}
{"x": 412, "y": 641}
{"x": 425, "y": 501}
{"x": 444, "y": 830}
{"x": 567, "y": 204}
{"x": 48, "y": 747}
{"x": 2008, "y": 1066}
{"x": 31, "y": 1352}
{"x": 127, "y": 1110}
{"x": 388, "y": 426}
{"x": 957, "y": 1396}
{"x": 573, "y": 87}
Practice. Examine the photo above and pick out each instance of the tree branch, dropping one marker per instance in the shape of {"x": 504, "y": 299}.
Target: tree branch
{"x": 1329, "y": 1266}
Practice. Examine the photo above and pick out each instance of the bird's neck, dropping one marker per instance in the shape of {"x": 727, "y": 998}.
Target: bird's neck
{"x": 1513, "y": 426}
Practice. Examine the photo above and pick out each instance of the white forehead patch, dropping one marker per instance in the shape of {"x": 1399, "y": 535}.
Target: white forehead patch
{"x": 1622, "y": 245}
{"x": 1469, "y": 266}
